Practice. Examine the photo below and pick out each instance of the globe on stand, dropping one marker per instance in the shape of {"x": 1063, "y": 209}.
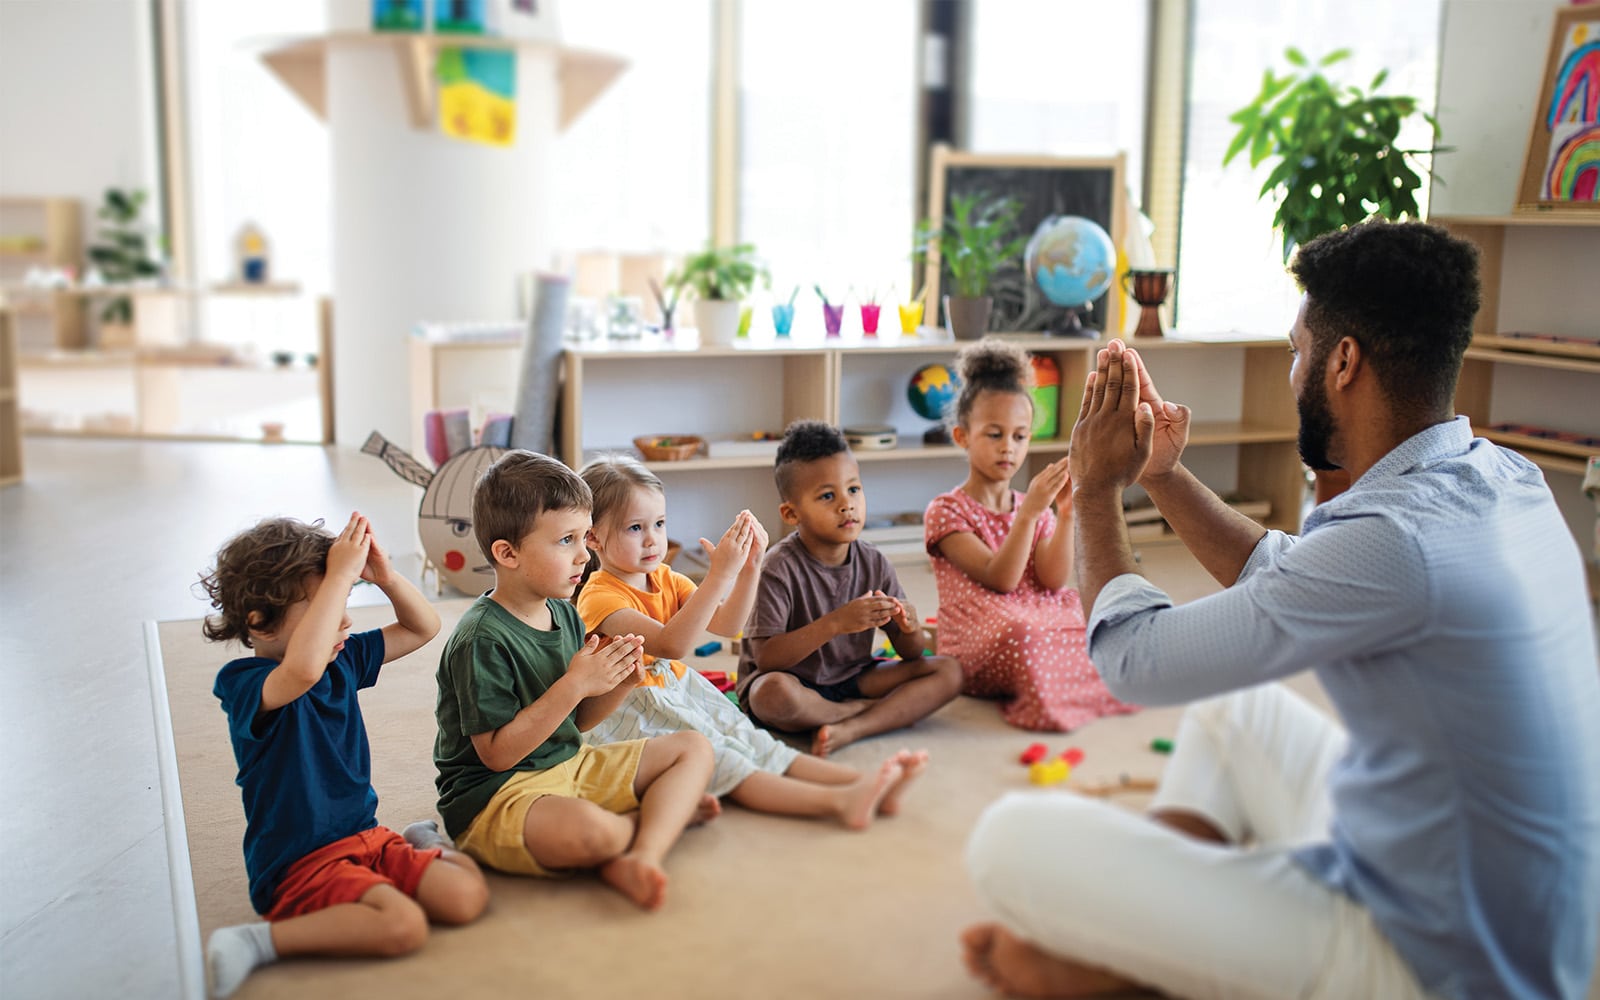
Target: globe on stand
{"x": 1073, "y": 261}
{"x": 932, "y": 390}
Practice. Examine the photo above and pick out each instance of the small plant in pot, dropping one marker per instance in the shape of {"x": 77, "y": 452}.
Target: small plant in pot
{"x": 975, "y": 240}
{"x": 122, "y": 256}
{"x": 1338, "y": 161}
{"x": 719, "y": 277}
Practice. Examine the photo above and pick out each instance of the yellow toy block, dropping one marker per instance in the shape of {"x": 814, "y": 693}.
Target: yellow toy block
{"x": 1049, "y": 772}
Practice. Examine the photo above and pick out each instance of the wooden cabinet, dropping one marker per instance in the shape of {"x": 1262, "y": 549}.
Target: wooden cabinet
{"x": 10, "y": 417}
{"x": 1531, "y": 377}
{"x": 41, "y": 233}
{"x": 1243, "y": 442}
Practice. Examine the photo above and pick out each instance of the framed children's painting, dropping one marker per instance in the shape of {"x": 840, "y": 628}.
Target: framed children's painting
{"x": 1562, "y": 171}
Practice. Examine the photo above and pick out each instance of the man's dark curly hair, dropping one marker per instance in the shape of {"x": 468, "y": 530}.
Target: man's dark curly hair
{"x": 515, "y": 490}
{"x": 804, "y": 441}
{"x": 1407, "y": 292}
{"x": 261, "y": 572}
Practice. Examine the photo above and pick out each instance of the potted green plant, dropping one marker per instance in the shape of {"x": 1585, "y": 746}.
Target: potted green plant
{"x": 719, "y": 277}
{"x": 122, "y": 256}
{"x": 1338, "y": 161}
{"x": 974, "y": 241}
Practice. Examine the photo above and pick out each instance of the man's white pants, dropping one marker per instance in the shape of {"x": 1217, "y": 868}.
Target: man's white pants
{"x": 1096, "y": 884}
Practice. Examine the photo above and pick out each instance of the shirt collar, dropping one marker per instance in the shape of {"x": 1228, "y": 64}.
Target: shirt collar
{"x": 1453, "y": 437}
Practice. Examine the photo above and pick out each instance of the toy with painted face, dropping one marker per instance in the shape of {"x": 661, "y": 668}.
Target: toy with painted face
{"x": 444, "y": 519}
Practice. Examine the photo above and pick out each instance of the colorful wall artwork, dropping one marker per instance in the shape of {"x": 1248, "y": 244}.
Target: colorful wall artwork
{"x": 1562, "y": 170}
{"x": 478, "y": 95}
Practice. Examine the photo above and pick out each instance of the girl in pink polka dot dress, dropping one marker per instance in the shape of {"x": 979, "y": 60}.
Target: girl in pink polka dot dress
{"x": 1002, "y": 559}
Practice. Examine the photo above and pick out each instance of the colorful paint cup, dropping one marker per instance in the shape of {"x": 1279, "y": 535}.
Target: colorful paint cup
{"x": 832, "y": 317}
{"x": 744, "y": 321}
{"x": 783, "y": 318}
{"x": 910, "y": 316}
{"x": 869, "y": 318}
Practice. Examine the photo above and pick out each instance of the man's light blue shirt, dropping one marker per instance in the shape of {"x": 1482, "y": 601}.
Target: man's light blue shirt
{"x": 1441, "y": 602}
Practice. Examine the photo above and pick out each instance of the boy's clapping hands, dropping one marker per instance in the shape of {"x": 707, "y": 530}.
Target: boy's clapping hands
{"x": 871, "y": 610}
{"x": 607, "y": 661}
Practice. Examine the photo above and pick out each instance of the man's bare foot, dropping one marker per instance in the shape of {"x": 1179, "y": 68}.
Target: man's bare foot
{"x": 860, "y": 801}
{"x": 912, "y": 764}
{"x": 706, "y": 810}
{"x": 1018, "y": 968}
{"x": 640, "y": 880}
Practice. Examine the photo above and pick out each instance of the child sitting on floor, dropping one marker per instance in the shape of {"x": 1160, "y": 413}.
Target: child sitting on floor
{"x": 633, "y": 591}
{"x": 519, "y": 683}
{"x": 327, "y": 877}
{"x": 1002, "y": 561}
{"x": 807, "y": 663}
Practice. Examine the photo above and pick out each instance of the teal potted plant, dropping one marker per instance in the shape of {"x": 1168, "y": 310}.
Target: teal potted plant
{"x": 974, "y": 241}
{"x": 720, "y": 278}
{"x": 1336, "y": 147}
{"x": 121, "y": 256}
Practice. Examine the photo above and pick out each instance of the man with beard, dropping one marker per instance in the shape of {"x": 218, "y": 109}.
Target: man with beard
{"x": 1442, "y": 837}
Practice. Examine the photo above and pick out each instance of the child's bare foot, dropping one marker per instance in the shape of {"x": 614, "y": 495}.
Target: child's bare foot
{"x": 912, "y": 764}
{"x": 1018, "y": 968}
{"x": 861, "y": 799}
{"x": 640, "y": 880}
{"x": 708, "y": 809}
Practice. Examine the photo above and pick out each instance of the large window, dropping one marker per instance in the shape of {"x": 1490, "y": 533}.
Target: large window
{"x": 1230, "y": 268}
{"x": 827, "y": 120}
{"x": 1060, "y": 79}
{"x": 631, "y": 173}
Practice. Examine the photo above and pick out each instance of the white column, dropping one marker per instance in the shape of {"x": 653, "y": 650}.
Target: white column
{"x": 426, "y": 228}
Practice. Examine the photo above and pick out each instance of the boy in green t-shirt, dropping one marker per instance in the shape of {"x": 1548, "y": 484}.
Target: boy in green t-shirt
{"x": 518, "y": 683}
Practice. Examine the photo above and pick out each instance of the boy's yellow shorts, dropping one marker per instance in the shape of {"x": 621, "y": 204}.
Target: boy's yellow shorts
{"x": 602, "y": 775}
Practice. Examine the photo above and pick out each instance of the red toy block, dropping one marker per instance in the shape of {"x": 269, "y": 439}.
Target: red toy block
{"x": 1072, "y": 755}
{"x": 1035, "y": 753}
{"x": 718, "y": 679}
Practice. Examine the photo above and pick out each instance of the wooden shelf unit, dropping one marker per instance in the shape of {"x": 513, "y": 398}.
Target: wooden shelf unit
{"x": 43, "y": 233}
{"x": 10, "y": 414}
{"x": 613, "y": 392}
{"x": 1508, "y": 379}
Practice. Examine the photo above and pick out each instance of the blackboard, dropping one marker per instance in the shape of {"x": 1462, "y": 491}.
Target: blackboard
{"x": 1091, "y": 187}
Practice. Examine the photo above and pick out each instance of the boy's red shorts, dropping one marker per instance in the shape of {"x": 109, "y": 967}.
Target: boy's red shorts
{"x": 344, "y": 870}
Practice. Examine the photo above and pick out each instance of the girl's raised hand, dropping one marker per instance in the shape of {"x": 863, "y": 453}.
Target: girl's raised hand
{"x": 758, "y": 542}
{"x": 734, "y": 547}
{"x": 1045, "y": 488}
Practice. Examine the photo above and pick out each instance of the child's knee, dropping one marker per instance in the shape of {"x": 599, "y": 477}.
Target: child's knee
{"x": 691, "y": 748}
{"x": 948, "y": 670}
{"x": 465, "y": 900}
{"x": 403, "y": 928}
{"x": 589, "y": 843}
{"x": 775, "y": 699}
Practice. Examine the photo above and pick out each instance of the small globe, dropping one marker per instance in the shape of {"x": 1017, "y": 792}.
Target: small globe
{"x": 932, "y": 389}
{"x": 1071, "y": 259}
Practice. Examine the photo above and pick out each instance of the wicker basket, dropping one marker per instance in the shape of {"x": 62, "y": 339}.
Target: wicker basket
{"x": 667, "y": 447}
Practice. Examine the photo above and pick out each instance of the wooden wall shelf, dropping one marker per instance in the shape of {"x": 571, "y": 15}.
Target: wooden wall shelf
{"x": 302, "y": 65}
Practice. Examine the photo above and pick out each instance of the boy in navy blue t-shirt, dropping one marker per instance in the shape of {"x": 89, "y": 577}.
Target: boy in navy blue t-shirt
{"x": 327, "y": 877}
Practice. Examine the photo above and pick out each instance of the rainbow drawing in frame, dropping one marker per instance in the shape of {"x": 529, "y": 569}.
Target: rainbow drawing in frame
{"x": 1562, "y": 170}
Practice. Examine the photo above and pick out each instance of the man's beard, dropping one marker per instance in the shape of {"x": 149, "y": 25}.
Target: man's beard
{"x": 1316, "y": 423}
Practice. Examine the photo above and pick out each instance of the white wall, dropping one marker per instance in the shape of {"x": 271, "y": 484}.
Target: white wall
{"x": 77, "y": 100}
{"x": 1492, "y": 55}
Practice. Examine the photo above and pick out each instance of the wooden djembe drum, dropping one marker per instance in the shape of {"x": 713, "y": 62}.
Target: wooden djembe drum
{"x": 1149, "y": 288}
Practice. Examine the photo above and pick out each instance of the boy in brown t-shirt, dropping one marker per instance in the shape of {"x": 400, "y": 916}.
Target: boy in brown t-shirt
{"x": 807, "y": 661}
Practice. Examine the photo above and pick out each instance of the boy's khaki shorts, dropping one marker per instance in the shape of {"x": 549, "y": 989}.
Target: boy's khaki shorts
{"x": 602, "y": 775}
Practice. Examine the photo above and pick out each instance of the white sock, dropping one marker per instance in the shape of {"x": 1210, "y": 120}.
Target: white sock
{"x": 233, "y": 952}
{"x": 423, "y": 834}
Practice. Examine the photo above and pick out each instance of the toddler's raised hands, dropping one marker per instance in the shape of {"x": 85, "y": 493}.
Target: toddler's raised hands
{"x": 606, "y": 661}
{"x": 731, "y": 551}
{"x": 347, "y": 557}
{"x": 758, "y": 543}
